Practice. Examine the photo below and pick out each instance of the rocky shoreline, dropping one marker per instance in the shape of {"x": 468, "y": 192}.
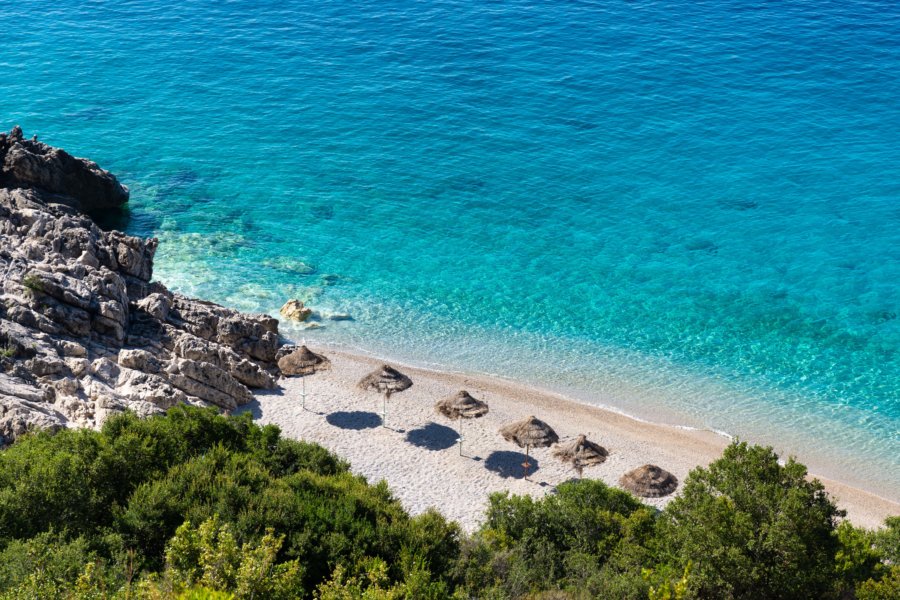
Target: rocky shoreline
{"x": 85, "y": 332}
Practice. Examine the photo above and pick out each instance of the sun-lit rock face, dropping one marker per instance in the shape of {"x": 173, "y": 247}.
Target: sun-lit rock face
{"x": 84, "y": 331}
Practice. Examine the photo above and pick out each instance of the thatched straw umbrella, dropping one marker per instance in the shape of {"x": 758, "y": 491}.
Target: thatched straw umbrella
{"x": 581, "y": 452}
{"x": 385, "y": 380}
{"x": 649, "y": 481}
{"x": 303, "y": 362}
{"x": 528, "y": 433}
{"x": 461, "y": 406}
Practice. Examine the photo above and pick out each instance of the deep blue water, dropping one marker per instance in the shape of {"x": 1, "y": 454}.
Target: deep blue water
{"x": 688, "y": 211}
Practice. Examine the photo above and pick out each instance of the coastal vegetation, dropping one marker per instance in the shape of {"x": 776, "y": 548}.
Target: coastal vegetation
{"x": 197, "y": 505}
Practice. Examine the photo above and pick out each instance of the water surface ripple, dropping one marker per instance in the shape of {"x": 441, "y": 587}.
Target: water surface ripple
{"x": 688, "y": 211}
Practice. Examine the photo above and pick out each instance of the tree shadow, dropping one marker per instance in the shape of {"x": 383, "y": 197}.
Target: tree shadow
{"x": 508, "y": 464}
{"x": 356, "y": 419}
{"x": 433, "y": 437}
{"x": 253, "y": 407}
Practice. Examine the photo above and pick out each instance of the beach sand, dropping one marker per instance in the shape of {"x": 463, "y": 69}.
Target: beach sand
{"x": 418, "y": 456}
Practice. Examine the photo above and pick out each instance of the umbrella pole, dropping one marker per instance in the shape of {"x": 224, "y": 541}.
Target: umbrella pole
{"x": 384, "y": 411}
{"x": 526, "y": 464}
{"x": 460, "y": 436}
{"x": 303, "y": 393}
{"x": 303, "y": 388}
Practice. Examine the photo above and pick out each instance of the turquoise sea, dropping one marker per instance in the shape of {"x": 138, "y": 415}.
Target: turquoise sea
{"x": 686, "y": 211}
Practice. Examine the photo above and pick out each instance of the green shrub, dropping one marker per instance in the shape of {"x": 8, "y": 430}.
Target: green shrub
{"x": 210, "y": 556}
{"x": 88, "y": 515}
{"x": 887, "y": 588}
{"x": 33, "y": 283}
{"x": 48, "y": 553}
{"x": 563, "y": 541}
{"x": 752, "y": 528}
{"x": 121, "y": 494}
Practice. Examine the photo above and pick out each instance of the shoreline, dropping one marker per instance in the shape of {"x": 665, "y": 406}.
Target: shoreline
{"x": 804, "y": 430}
{"x": 671, "y": 419}
{"x": 439, "y": 478}
{"x": 439, "y": 371}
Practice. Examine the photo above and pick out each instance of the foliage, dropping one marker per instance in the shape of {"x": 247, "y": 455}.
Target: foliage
{"x": 858, "y": 558}
{"x": 574, "y": 540}
{"x": 887, "y": 588}
{"x": 884, "y": 582}
{"x": 369, "y": 586}
{"x": 199, "y": 506}
{"x": 667, "y": 588}
{"x": 82, "y": 478}
{"x": 48, "y": 553}
{"x": 33, "y": 283}
{"x": 210, "y": 556}
{"x": 887, "y": 540}
{"x": 373, "y": 583}
{"x": 116, "y": 499}
{"x": 753, "y": 528}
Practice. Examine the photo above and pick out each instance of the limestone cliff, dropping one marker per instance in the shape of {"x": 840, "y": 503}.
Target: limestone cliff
{"x": 84, "y": 330}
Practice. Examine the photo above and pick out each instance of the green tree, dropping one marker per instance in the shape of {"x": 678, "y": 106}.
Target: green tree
{"x": 209, "y": 556}
{"x": 752, "y": 528}
{"x": 857, "y": 559}
{"x": 887, "y": 540}
{"x": 578, "y": 540}
{"x": 882, "y": 546}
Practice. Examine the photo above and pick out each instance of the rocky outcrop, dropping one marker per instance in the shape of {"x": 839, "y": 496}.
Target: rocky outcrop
{"x": 78, "y": 182}
{"x": 84, "y": 330}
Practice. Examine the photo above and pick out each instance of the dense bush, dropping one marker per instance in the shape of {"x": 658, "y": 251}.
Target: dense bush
{"x": 753, "y": 528}
{"x": 744, "y": 527}
{"x": 116, "y": 497}
{"x": 579, "y": 539}
{"x": 199, "y": 506}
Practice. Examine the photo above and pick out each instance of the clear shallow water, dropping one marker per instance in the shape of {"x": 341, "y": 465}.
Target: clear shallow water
{"x": 688, "y": 212}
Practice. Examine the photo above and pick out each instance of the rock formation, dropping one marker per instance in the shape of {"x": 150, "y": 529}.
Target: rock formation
{"x": 295, "y": 310}
{"x": 78, "y": 182}
{"x": 84, "y": 330}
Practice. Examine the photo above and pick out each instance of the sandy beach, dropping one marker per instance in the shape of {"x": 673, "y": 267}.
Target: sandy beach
{"x": 417, "y": 453}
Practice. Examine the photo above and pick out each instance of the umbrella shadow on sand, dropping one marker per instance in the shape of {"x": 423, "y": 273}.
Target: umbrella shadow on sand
{"x": 356, "y": 419}
{"x": 433, "y": 437}
{"x": 508, "y": 464}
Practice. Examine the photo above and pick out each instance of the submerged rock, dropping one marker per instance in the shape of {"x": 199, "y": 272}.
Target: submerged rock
{"x": 290, "y": 266}
{"x": 84, "y": 331}
{"x": 340, "y": 316}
